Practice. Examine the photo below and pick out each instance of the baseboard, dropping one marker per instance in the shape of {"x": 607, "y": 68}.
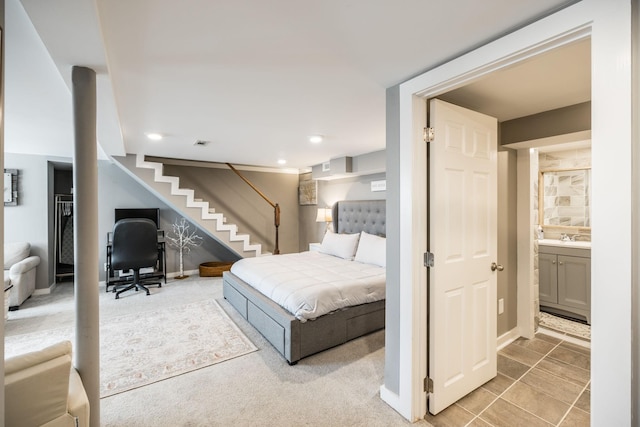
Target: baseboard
{"x": 507, "y": 338}
{"x": 393, "y": 400}
{"x": 186, "y": 273}
{"x": 169, "y": 275}
{"x": 45, "y": 291}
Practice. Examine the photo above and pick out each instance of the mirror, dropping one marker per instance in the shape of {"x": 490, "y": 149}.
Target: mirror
{"x": 564, "y": 198}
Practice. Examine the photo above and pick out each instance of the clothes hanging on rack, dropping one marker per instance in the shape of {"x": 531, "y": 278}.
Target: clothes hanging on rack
{"x": 63, "y": 235}
{"x": 66, "y": 208}
{"x": 66, "y": 244}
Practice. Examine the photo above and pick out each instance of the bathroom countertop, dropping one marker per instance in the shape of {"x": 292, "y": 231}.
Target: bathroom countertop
{"x": 562, "y": 244}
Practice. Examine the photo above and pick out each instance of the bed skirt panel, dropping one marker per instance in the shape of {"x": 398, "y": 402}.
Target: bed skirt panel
{"x": 292, "y": 338}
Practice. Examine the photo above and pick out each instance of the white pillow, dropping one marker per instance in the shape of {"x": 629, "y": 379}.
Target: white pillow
{"x": 372, "y": 250}
{"x": 340, "y": 245}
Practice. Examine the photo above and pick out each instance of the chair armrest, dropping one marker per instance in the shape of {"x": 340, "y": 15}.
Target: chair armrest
{"x": 36, "y": 385}
{"x": 25, "y": 265}
{"x": 78, "y": 403}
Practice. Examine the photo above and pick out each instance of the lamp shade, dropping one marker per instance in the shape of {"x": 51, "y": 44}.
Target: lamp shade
{"x": 324, "y": 215}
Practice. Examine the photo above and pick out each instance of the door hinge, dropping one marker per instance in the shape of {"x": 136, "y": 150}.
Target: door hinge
{"x": 428, "y": 385}
{"x": 428, "y": 134}
{"x": 429, "y": 259}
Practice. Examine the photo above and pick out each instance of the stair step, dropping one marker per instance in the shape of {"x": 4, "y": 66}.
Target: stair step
{"x": 208, "y": 213}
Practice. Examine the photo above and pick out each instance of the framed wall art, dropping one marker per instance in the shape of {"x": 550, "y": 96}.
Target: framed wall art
{"x": 308, "y": 192}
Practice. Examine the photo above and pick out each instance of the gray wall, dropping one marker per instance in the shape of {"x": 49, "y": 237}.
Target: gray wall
{"x": 348, "y": 167}
{"x": 330, "y": 192}
{"x": 507, "y": 240}
{"x": 119, "y": 190}
{"x": 29, "y": 220}
{"x": 392, "y": 316}
{"x": 241, "y": 205}
{"x": 356, "y": 188}
{"x": 334, "y": 187}
{"x": 32, "y": 219}
{"x": 561, "y": 121}
{"x": 310, "y": 230}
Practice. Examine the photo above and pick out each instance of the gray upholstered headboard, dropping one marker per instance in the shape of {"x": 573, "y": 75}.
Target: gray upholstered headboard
{"x": 354, "y": 216}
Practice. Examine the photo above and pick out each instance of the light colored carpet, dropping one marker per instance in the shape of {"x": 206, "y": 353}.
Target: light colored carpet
{"x": 338, "y": 387}
{"x": 142, "y": 348}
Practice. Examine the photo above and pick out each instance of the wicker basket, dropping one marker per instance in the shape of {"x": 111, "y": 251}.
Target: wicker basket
{"x": 214, "y": 268}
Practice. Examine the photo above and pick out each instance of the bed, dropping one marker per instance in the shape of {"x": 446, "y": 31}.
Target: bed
{"x": 296, "y": 334}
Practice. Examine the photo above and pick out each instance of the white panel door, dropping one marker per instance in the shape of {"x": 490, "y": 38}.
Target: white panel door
{"x": 463, "y": 238}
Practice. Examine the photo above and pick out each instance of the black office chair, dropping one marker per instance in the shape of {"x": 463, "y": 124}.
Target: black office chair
{"x": 134, "y": 246}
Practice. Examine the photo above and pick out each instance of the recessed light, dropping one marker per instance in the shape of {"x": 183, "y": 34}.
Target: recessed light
{"x": 315, "y": 139}
{"x": 154, "y": 136}
{"x": 282, "y": 162}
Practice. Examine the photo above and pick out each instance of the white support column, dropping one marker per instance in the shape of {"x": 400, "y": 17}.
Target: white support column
{"x": 85, "y": 184}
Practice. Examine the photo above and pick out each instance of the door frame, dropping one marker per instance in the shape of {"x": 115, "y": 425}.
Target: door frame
{"x": 609, "y": 26}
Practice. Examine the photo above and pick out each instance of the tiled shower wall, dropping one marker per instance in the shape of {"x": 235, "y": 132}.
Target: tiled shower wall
{"x": 570, "y": 159}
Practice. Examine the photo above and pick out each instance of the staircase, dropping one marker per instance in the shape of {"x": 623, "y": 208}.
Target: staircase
{"x": 182, "y": 200}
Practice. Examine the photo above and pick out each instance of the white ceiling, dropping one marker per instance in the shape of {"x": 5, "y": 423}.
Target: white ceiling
{"x": 256, "y": 78}
{"x": 552, "y": 80}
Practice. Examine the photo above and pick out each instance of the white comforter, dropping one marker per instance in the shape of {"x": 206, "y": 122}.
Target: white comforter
{"x": 310, "y": 284}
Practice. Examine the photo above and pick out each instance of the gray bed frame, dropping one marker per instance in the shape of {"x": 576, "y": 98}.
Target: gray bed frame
{"x": 294, "y": 339}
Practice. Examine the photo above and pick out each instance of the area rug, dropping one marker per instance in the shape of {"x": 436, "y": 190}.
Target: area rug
{"x": 565, "y": 326}
{"x": 143, "y": 348}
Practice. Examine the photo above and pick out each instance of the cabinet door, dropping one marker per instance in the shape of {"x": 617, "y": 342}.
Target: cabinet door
{"x": 548, "y": 277}
{"x": 574, "y": 282}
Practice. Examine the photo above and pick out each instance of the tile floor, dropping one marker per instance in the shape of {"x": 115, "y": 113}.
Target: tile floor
{"x": 544, "y": 381}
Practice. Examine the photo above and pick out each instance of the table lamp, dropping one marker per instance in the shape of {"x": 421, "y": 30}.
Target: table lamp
{"x": 324, "y": 215}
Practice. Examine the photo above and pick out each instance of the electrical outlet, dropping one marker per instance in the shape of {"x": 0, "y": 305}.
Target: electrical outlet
{"x": 501, "y": 306}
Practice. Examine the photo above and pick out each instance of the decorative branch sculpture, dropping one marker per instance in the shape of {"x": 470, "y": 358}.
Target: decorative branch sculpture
{"x": 184, "y": 240}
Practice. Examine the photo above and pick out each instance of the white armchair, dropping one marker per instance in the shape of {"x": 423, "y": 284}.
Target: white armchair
{"x": 20, "y": 267}
{"x": 43, "y": 389}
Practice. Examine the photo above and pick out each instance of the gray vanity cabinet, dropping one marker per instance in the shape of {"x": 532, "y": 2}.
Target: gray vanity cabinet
{"x": 548, "y": 273}
{"x": 565, "y": 280}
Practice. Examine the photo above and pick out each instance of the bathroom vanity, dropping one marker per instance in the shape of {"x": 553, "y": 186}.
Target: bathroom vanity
{"x": 565, "y": 278}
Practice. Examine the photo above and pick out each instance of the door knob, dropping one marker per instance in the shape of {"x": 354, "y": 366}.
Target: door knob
{"x": 495, "y": 267}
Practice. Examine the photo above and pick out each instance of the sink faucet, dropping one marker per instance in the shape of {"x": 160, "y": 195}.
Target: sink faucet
{"x": 565, "y": 237}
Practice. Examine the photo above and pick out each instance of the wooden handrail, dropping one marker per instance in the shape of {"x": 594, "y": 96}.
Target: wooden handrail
{"x": 275, "y": 206}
